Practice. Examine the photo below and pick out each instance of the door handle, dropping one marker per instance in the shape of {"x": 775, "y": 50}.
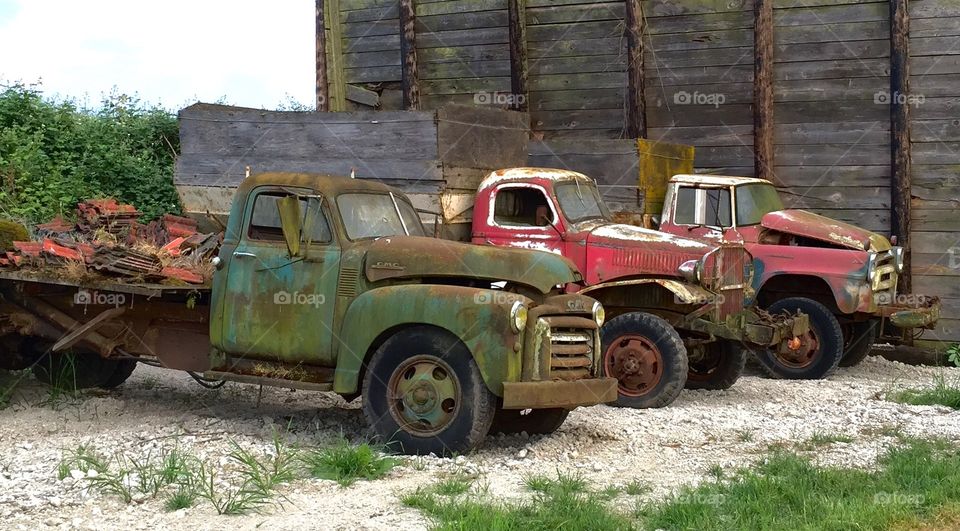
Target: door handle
{"x": 241, "y": 254}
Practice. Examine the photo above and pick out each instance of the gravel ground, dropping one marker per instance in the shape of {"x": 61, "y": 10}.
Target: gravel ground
{"x": 664, "y": 448}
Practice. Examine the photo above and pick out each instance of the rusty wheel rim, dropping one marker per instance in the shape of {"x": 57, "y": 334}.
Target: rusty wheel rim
{"x": 804, "y": 355}
{"x": 635, "y": 362}
{"x": 424, "y": 395}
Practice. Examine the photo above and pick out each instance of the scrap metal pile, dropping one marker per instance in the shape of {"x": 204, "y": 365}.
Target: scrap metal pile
{"x": 109, "y": 239}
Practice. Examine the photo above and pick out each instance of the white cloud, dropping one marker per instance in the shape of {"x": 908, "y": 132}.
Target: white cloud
{"x": 173, "y": 52}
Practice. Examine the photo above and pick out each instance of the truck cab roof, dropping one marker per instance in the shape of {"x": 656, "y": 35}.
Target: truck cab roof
{"x": 527, "y": 174}
{"x": 717, "y": 180}
{"x": 325, "y": 184}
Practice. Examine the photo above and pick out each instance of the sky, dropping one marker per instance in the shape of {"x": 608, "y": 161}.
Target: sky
{"x": 171, "y": 53}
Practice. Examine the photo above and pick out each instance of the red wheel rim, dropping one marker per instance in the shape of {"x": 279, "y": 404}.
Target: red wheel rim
{"x": 635, "y": 362}
{"x": 804, "y": 355}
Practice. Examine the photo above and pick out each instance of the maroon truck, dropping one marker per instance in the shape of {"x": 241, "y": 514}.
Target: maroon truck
{"x": 842, "y": 276}
{"x": 676, "y": 305}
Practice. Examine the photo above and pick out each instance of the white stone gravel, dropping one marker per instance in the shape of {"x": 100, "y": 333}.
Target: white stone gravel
{"x": 665, "y": 448}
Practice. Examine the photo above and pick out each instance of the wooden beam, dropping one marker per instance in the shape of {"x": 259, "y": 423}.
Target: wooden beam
{"x": 408, "y": 55}
{"x": 763, "y": 121}
{"x": 323, "y": 89}
{"x": 636, "y": 102}
{"x": 900, "y": 153}
{"x": 336, "y": 84}
{"x": 518, "y": 54}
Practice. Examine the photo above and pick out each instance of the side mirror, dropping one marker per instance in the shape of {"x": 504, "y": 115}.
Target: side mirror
{"x": 290, "y": 221}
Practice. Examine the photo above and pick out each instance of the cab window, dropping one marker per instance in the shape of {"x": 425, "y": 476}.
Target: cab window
{"x": 522, "y": 207}
{"x": 686, "y": 206}
{"x": 265, "y": 220}
{"x": 717, "y": 203}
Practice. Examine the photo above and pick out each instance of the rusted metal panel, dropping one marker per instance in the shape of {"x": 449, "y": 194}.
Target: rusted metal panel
{"x": 659, "y": 161}
{"x": 557, "y": 394}
{"x": 815, "y": 226}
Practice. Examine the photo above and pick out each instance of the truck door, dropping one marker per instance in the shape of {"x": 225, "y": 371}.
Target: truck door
{"x": 279, "y": 307}
{"x": 521, "y": 215}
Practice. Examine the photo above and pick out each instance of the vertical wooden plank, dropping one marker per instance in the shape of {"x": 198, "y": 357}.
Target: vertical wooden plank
{"x": 636, "y": 101}
{"x": 518, "y": 53}
{"x": 336, "y": 86}
{"x": 900, "y": 153}
{"x": 323, "y": 90}
{"x": 408, "y": 54}
{"x": 763, "y": 121}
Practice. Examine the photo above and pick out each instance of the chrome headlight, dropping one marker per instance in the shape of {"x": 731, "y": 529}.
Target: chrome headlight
{"x": 518, "y": 316}
{"x": 871, "y": 266}
{"x": 691, "y": 270}
{"x": 898, "y": 258}
{"x": 599, "y": 314}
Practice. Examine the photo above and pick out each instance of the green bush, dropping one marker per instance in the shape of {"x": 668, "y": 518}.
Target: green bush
{"x": 55, "y": 153}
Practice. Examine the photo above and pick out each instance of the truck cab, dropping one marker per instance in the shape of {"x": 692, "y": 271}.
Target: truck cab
{"x": 650, "y": 283}
{"x": 844, "y": 274}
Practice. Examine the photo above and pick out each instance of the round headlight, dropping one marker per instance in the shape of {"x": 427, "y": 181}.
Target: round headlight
{"x": 518, "y": 316}
{"x": 599, "y": 314}
{"x": 691, "y": 270}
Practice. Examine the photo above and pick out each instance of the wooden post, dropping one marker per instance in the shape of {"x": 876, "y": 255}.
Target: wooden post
{"x": 323, "y": 89}
{"x": 636, "y": 100}
{"x": 763, "y": 121}
{"x": 336, "y": 83}
{"x": 518, "y": 54}
{"x": 408, "y": 54}
{"x": 900, "y": 152}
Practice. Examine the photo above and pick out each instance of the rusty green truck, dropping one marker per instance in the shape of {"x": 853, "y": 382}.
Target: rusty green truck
{"x": 330, "y": 283}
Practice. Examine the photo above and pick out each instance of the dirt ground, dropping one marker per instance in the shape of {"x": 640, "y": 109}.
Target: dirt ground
{"x": 665, "y": 448}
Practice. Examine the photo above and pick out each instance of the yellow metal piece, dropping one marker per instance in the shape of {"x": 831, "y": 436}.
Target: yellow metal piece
{"x": 289, "y": 208}
{"x": 559, "y": 394}
{"x": 659, "y": 161}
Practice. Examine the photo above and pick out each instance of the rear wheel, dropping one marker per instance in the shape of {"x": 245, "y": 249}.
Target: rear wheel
{"x": 647, "y": 357}
{"x": 423, "y": 393}
{"x": 534, "y": 422}
{"x": 858, "y": 341}
{"x": 715, "y": 366}
{"x": 74, "y": 370}
{"x": 814, "y": 355}
{"x": 123, "y": 371}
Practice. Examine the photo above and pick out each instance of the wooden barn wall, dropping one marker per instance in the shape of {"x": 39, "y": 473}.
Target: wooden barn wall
{"x": 576, "y": 56}
{"x": 935, "y": 124}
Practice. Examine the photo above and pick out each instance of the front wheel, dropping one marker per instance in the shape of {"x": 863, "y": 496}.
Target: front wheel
{"x": 858, "y": 342}
{"x": 534, "y": 421}
{"x": 810, "y": 357}
{"x": 647, "y": 357}
{"x": 716, "y": 366}
{"x": 423, "y": 393}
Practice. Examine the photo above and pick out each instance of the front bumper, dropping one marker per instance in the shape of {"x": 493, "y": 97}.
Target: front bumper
{"x": 559, "y": 394}
{"x": 923, "y": 312}
{"x": 756, "y": 328}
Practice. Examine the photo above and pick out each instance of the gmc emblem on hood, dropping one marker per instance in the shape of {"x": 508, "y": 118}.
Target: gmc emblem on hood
{"x": 393, "y": 266}
{"x": 576, "y": 305}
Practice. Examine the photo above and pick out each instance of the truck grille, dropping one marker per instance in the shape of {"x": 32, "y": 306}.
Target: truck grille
{"x": 726, "y": 275}
{"x": 571, "y": 348}
{"x": 884, "y": 278}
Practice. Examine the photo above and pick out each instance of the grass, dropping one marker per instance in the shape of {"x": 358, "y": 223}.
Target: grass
{"x": 820, "y": 440}
{"x": 914, "y": 485}
{"x": 943, "y": 393}
{"x": 345, "y": 463}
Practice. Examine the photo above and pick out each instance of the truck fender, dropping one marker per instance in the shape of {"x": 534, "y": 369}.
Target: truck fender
{"x": 684, "y": 292}
{"x": 479, "y": 318}
{"x": 850, "y": 291}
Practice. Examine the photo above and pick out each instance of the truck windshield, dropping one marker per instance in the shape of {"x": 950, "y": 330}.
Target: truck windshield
{"x": 581, "y": 201}
{"x": 754, "y": 201}
{"x": 377, "y": 215}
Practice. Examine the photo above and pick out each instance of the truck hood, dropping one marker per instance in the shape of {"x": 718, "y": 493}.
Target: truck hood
{"x": 817, "y": 227}
{"x": 618, "y": 251}
{"x": 419, "y": 257}
{"x": 618, "y": 234}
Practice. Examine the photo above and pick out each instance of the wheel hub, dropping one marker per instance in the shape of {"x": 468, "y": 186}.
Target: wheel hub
{"x": 799, "y": 351}
{"x": 424, "y": 395}
{"x": 635, "y": 362}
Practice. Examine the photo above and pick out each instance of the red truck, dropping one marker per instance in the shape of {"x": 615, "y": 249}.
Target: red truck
{"x": 676, "y": 305}
{"x": 842, "y": 276}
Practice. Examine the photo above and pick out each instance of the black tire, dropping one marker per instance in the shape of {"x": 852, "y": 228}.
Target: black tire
{"x": 819, "y": 362}
{"x": 465, "y": 414}
{"x": 535, "y": 422}
{"x": 719, "y": 367}
{"x": 72, "y": 371}
{"x": 124, "y": 369}
{"x": 16, "y": 353}
{"x": 647, "y": 357}
{"x": 858, "y": 341}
